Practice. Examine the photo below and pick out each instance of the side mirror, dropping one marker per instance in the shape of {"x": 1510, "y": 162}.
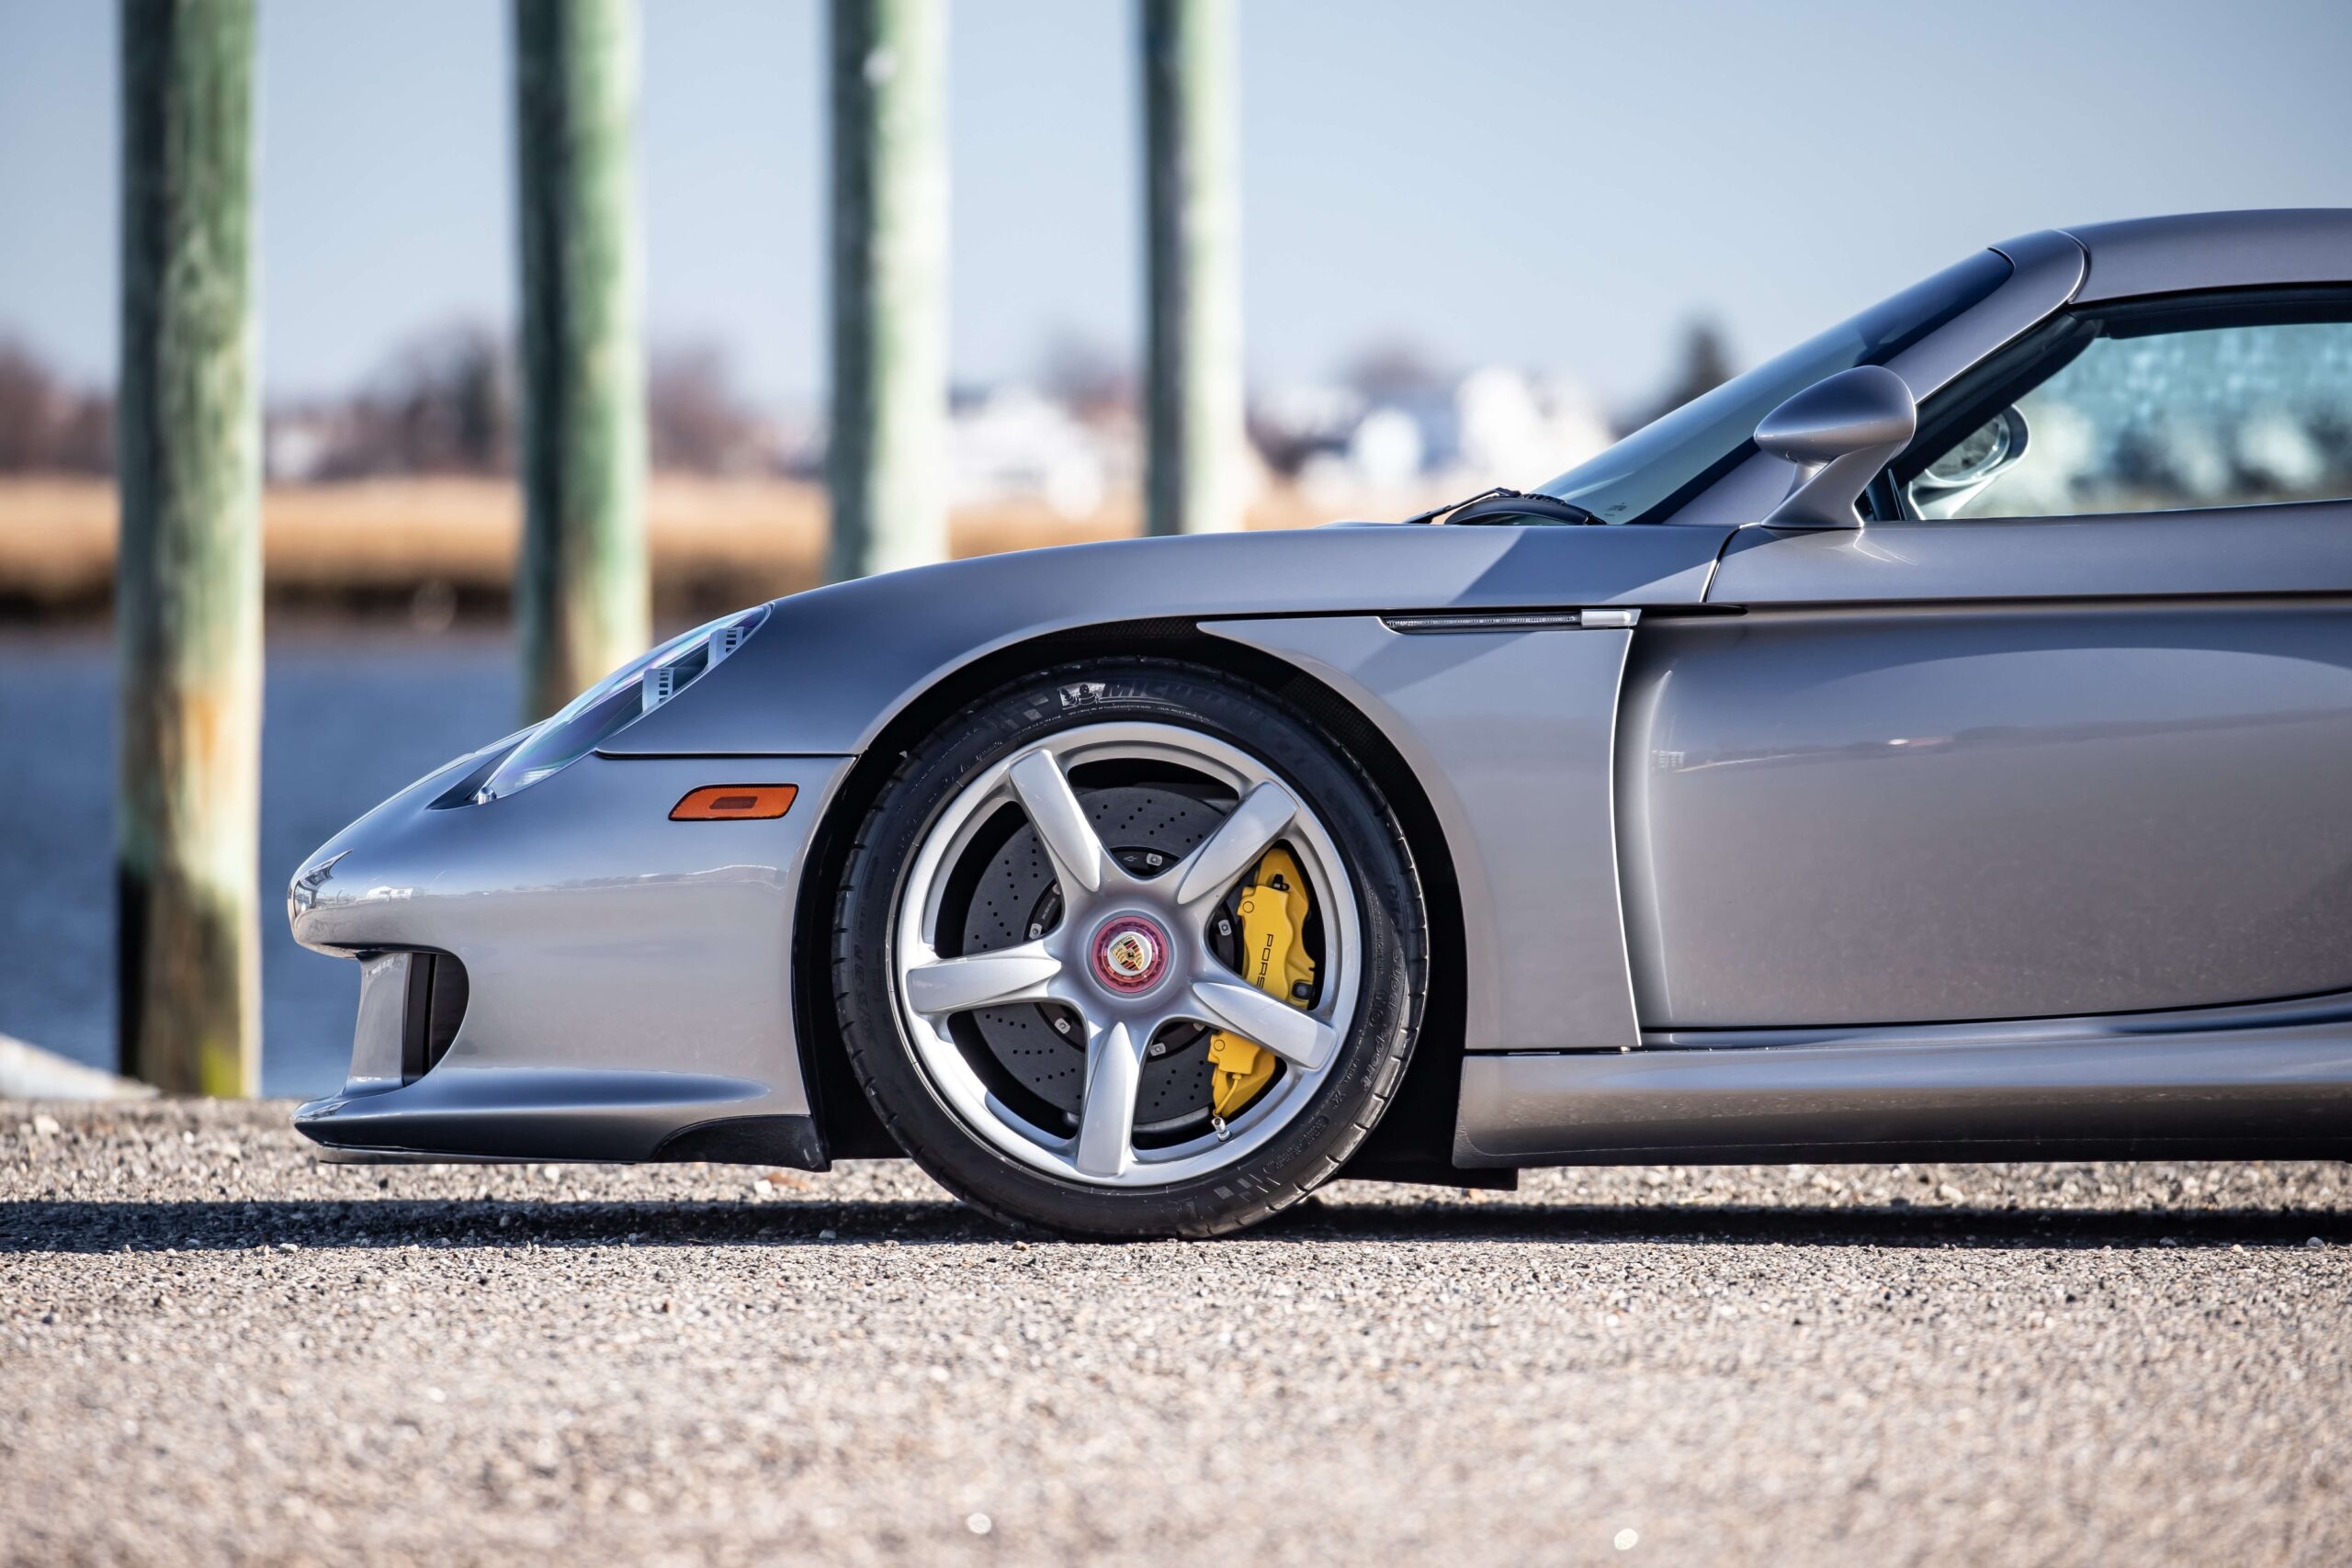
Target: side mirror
{"x": 1841, "y": 431}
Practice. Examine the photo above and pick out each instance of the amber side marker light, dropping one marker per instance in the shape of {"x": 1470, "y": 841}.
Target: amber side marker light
{"x": 734, "y": 802}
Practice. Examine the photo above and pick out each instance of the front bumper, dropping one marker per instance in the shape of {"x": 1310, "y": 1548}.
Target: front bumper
{"x": 629, "y": 984}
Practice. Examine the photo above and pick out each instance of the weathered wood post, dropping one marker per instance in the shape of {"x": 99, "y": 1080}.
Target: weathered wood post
{"x": 1192, "y": 418}
{"x": 887, "y": 447}
{"x": 188, "y": 575}
{"x": 581, "y": 593}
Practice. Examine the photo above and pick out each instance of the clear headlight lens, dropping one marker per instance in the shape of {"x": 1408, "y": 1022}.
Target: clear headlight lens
{"x": 617, "y": 700}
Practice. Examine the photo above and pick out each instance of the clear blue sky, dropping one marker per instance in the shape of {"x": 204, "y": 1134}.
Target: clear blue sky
{"x": 1549, "y": 184}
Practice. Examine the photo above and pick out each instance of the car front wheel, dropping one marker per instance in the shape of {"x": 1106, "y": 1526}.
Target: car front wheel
{"x": 1130, "y": 950}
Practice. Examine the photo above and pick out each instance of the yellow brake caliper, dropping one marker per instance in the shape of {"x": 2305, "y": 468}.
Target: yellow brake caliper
{"x": 1273, "y": 958}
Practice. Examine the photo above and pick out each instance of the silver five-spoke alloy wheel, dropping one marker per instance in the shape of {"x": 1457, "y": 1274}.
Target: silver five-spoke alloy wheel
{"x": 1130, "y": 956}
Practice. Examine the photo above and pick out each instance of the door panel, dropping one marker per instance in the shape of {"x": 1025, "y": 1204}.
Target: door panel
{"x": 1899, "y": 812}
{"x": 2301, "y": 548}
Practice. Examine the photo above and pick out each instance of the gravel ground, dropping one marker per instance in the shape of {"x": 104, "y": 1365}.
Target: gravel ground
{"x": 212, "y": 1347}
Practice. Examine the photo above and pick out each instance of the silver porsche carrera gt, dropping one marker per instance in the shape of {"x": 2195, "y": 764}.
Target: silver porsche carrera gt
{"x": 1935, "y": 743}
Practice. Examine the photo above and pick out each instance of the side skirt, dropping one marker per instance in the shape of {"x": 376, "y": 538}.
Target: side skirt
{"x": 2280, "y": 1092}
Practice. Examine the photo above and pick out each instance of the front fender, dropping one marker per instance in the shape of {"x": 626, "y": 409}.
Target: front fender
{"x": 831, "y": 668}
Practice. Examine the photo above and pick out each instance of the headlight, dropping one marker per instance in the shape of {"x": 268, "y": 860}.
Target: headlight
{"x": 618, "y": 700}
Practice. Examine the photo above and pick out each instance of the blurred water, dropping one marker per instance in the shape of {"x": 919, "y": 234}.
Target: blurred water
{"x": 350, "y": 717}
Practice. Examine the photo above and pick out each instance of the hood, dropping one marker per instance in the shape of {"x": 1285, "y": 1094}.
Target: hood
{"x": 831, "y": 666}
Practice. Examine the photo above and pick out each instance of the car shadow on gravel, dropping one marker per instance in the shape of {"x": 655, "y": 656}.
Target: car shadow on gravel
{"x": 389, "y": 1225}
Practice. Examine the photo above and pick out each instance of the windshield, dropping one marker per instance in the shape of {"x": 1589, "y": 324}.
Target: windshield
{"x": 1705, "y": 436}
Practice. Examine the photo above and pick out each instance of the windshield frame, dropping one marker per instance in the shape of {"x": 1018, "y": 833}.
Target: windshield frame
{"x": 1654, "y": 472}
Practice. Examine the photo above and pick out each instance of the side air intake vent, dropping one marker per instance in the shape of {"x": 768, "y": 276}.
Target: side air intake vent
{"x": 436, "y": 1005}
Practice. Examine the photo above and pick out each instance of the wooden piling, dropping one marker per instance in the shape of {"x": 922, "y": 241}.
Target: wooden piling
{"x": 887, "y": 449}
{"x": 581, "y": 591}
{"x": 1195, "y": 444}
{"x": 187, "y": 595}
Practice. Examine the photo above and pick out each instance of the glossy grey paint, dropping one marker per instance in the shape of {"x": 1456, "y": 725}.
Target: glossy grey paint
{"x": 2297, "y": 548}
{"x": 2193, "y": 250}
{"x": 832, "y": 667}
{"x": 2322, "y": 1017}
{"x": 2279, "y": 1091}
{"x": 627, "y": 973}
{"x": 1840, "y": 430}
{"x": 1511, "y": 733}
{"x": 1705, "y": 883}
{"x": 1900, "y": 812}
{"x": 2216, "y": 1080}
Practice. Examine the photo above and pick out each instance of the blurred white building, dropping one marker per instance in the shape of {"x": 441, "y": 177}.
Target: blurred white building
{"x": 1497, "y": 425}
{"x": 1347, "y": 452}
{"x": 1013, "y": 443}
{"x": 1519, "y": 431}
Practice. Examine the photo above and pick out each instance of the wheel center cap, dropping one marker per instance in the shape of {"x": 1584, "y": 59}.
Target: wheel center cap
{"x": 1130, "y": 954}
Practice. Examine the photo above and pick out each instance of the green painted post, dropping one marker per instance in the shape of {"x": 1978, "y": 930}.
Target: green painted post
{"x": 888, "y": 68}
{"x": 1196, "y": 445}
{"x": 581, "y": 596}
{"x": 187, "y": 595}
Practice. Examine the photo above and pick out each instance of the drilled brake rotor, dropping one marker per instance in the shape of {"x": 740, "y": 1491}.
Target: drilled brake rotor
{"x": 1014, "y": 893}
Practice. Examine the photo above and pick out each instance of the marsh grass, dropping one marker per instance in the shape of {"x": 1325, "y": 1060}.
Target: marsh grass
{"x": 393, "y": 543}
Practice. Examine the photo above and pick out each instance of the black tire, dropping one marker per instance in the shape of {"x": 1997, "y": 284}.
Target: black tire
{"x": 1370, "y": 1063}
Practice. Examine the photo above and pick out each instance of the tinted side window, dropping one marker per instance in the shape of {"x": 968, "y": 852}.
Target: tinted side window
{"x": 2240, "y": 415}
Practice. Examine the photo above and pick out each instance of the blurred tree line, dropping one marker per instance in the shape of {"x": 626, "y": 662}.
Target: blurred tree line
{"x": 445, "y": 403}
{"x": 47, "y": 426}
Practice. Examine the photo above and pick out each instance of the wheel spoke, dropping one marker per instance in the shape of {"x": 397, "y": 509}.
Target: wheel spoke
{"x": 1208, "y": 871}
{"x": 1299, "y": 1038}
{"x": 1106, "y": 1123}
{"x": 1062, "y": 827}
{"x": 981, "y": 979}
